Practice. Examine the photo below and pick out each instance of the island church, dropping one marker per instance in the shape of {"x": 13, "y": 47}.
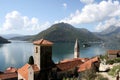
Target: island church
{"x": 45, "y": 69}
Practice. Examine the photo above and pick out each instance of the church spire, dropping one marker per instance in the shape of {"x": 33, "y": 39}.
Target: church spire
{"x": 76, "y": 49}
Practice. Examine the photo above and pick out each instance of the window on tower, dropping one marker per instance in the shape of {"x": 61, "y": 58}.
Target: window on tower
{"x": 36, "y": 50}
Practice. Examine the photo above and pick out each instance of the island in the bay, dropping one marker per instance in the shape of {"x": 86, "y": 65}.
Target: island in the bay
{"x": 3, "y": 40}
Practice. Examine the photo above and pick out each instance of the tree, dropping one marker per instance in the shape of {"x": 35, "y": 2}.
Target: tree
{"x": 31, "y": 60}
{"x": 88, "y": 75}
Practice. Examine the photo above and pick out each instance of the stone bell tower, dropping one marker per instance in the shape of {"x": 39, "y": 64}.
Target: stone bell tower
{"x": 43, "y": 53}
{"x": 76, "y": 49}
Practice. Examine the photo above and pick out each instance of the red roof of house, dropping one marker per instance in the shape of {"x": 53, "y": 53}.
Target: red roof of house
{"x": 88, "y": 64}
{"x": 42, "y": 42}
{"x": 85, "y": 66}
{"x": 24, "y": 70}
{"x": 95, "y": 59}
{"x": 113, "y": 52}
{"x": 74, "y": 59}
{"x": 35, "y": 68}
{"x": 69, "y": 64}
{"x": 5, "y": 76}
{"x": 10, "y": 70}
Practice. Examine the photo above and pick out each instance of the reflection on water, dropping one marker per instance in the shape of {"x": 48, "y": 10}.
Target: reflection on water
{"x": 1, "y": 45}
{"x": 17, "y": 53}
{"x": 66, "y": 50}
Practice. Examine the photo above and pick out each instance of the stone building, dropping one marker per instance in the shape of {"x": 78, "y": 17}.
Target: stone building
{"x": 45, "y": 69}
{"x": 9, "y": 74}
{"x": 113, "y": 54}
{"x": 42, "y": 62}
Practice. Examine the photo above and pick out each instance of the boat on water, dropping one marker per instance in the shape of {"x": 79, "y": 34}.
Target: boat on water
{"x": 86, "y": 45}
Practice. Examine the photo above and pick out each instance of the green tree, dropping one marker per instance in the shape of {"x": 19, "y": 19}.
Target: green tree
{"x": 101, "y": 77}
{"x": 113, "y": 72}
{"x": 89, "y": 74}
{"x": 31, "y": 60}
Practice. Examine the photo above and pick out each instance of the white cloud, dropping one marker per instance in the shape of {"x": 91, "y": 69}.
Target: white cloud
{"x": 64, "y": 5}
{"x": 14, "y": 21}
{"x": 87, "y": 1}
{"x": 108, "y": 23}
{"x": 94, "y": 12}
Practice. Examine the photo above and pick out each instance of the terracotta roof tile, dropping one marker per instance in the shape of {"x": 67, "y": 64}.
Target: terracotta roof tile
{"x": 10, "y": 70}
{"x": 113, "y": 52}
{"x": 74, "y": 59}
{"x": 42, "y": 42}
{"x": 6, "y": 76}
{"x": 35, "y": 68}
{"x": 24, "y": 70}
{"x": 94, "y": 59}
{"x": 69, "y": 64}
{"x": 87, "y": 64}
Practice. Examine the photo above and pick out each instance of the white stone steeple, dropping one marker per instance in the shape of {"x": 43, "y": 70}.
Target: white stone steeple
{"x": 76, "y": 49}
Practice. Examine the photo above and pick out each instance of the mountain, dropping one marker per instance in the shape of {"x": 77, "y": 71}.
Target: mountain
{"x": 63, "y": 32}
{"x": 111, "y": 34}
{"x": 111, "y": 30}
{"x": 8, "y": 36}
{"x": 2, "y": 40}
{"x": 22, "y": 38}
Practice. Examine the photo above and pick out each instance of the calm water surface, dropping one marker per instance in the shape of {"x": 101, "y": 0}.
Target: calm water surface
{"x": 17, "y": 53}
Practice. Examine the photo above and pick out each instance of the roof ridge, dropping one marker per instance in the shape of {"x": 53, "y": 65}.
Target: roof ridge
{"x": 41, "y": 41}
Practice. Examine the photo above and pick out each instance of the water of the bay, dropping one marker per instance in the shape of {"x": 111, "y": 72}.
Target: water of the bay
{"x": 17, "y": 53}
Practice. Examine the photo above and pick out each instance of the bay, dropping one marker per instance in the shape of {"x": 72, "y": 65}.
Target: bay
{"x": 17, "y": 53}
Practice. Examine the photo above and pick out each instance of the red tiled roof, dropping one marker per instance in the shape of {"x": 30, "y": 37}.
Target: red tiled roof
{"x": 113, "y": 52}
{"x": 68, "y": 60}
{"x": 5, "y": 76}
{"x": 24, "y": 70}
{"x": 94, "y": 59}
{"x": 10, "y": 70}
{"x": 69, "y": 64}
{"x": 35, "y": 68}
{"x": 87, "y": 64}
{"x": 42, "y": 42}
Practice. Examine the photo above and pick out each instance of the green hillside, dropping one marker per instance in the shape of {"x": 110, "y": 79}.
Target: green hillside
{"x": 63, "y": 32}
{"x": 2, "y": 40}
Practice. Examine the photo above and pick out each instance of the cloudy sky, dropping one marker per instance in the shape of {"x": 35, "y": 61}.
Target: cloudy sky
{"x": 32, "y": 16}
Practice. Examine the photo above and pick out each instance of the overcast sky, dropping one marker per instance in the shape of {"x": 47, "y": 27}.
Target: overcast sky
{"x": 33, "y": 16}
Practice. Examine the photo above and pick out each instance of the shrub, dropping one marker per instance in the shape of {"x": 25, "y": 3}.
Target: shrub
{"x": 116, "y": 60}
{"x": 31, "y": 60}
{"x": 100, "y": 77}
{"x": 88, "y": 74}
{"x": 110, "y": 61}
{"x": 105, "y": 56}
{"x": 114, "y": 70}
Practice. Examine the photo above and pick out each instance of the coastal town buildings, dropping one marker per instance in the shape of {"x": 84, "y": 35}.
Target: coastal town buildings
{"x": 42, "y": 62}
{"x": 113, "y": 54}
{"x": 45, "y": 69}
{"x": 9, "y": 74}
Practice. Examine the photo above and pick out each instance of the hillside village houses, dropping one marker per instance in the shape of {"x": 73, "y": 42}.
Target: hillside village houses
{"x": 45, "y": 69}
{"x": 113, "y": 54}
